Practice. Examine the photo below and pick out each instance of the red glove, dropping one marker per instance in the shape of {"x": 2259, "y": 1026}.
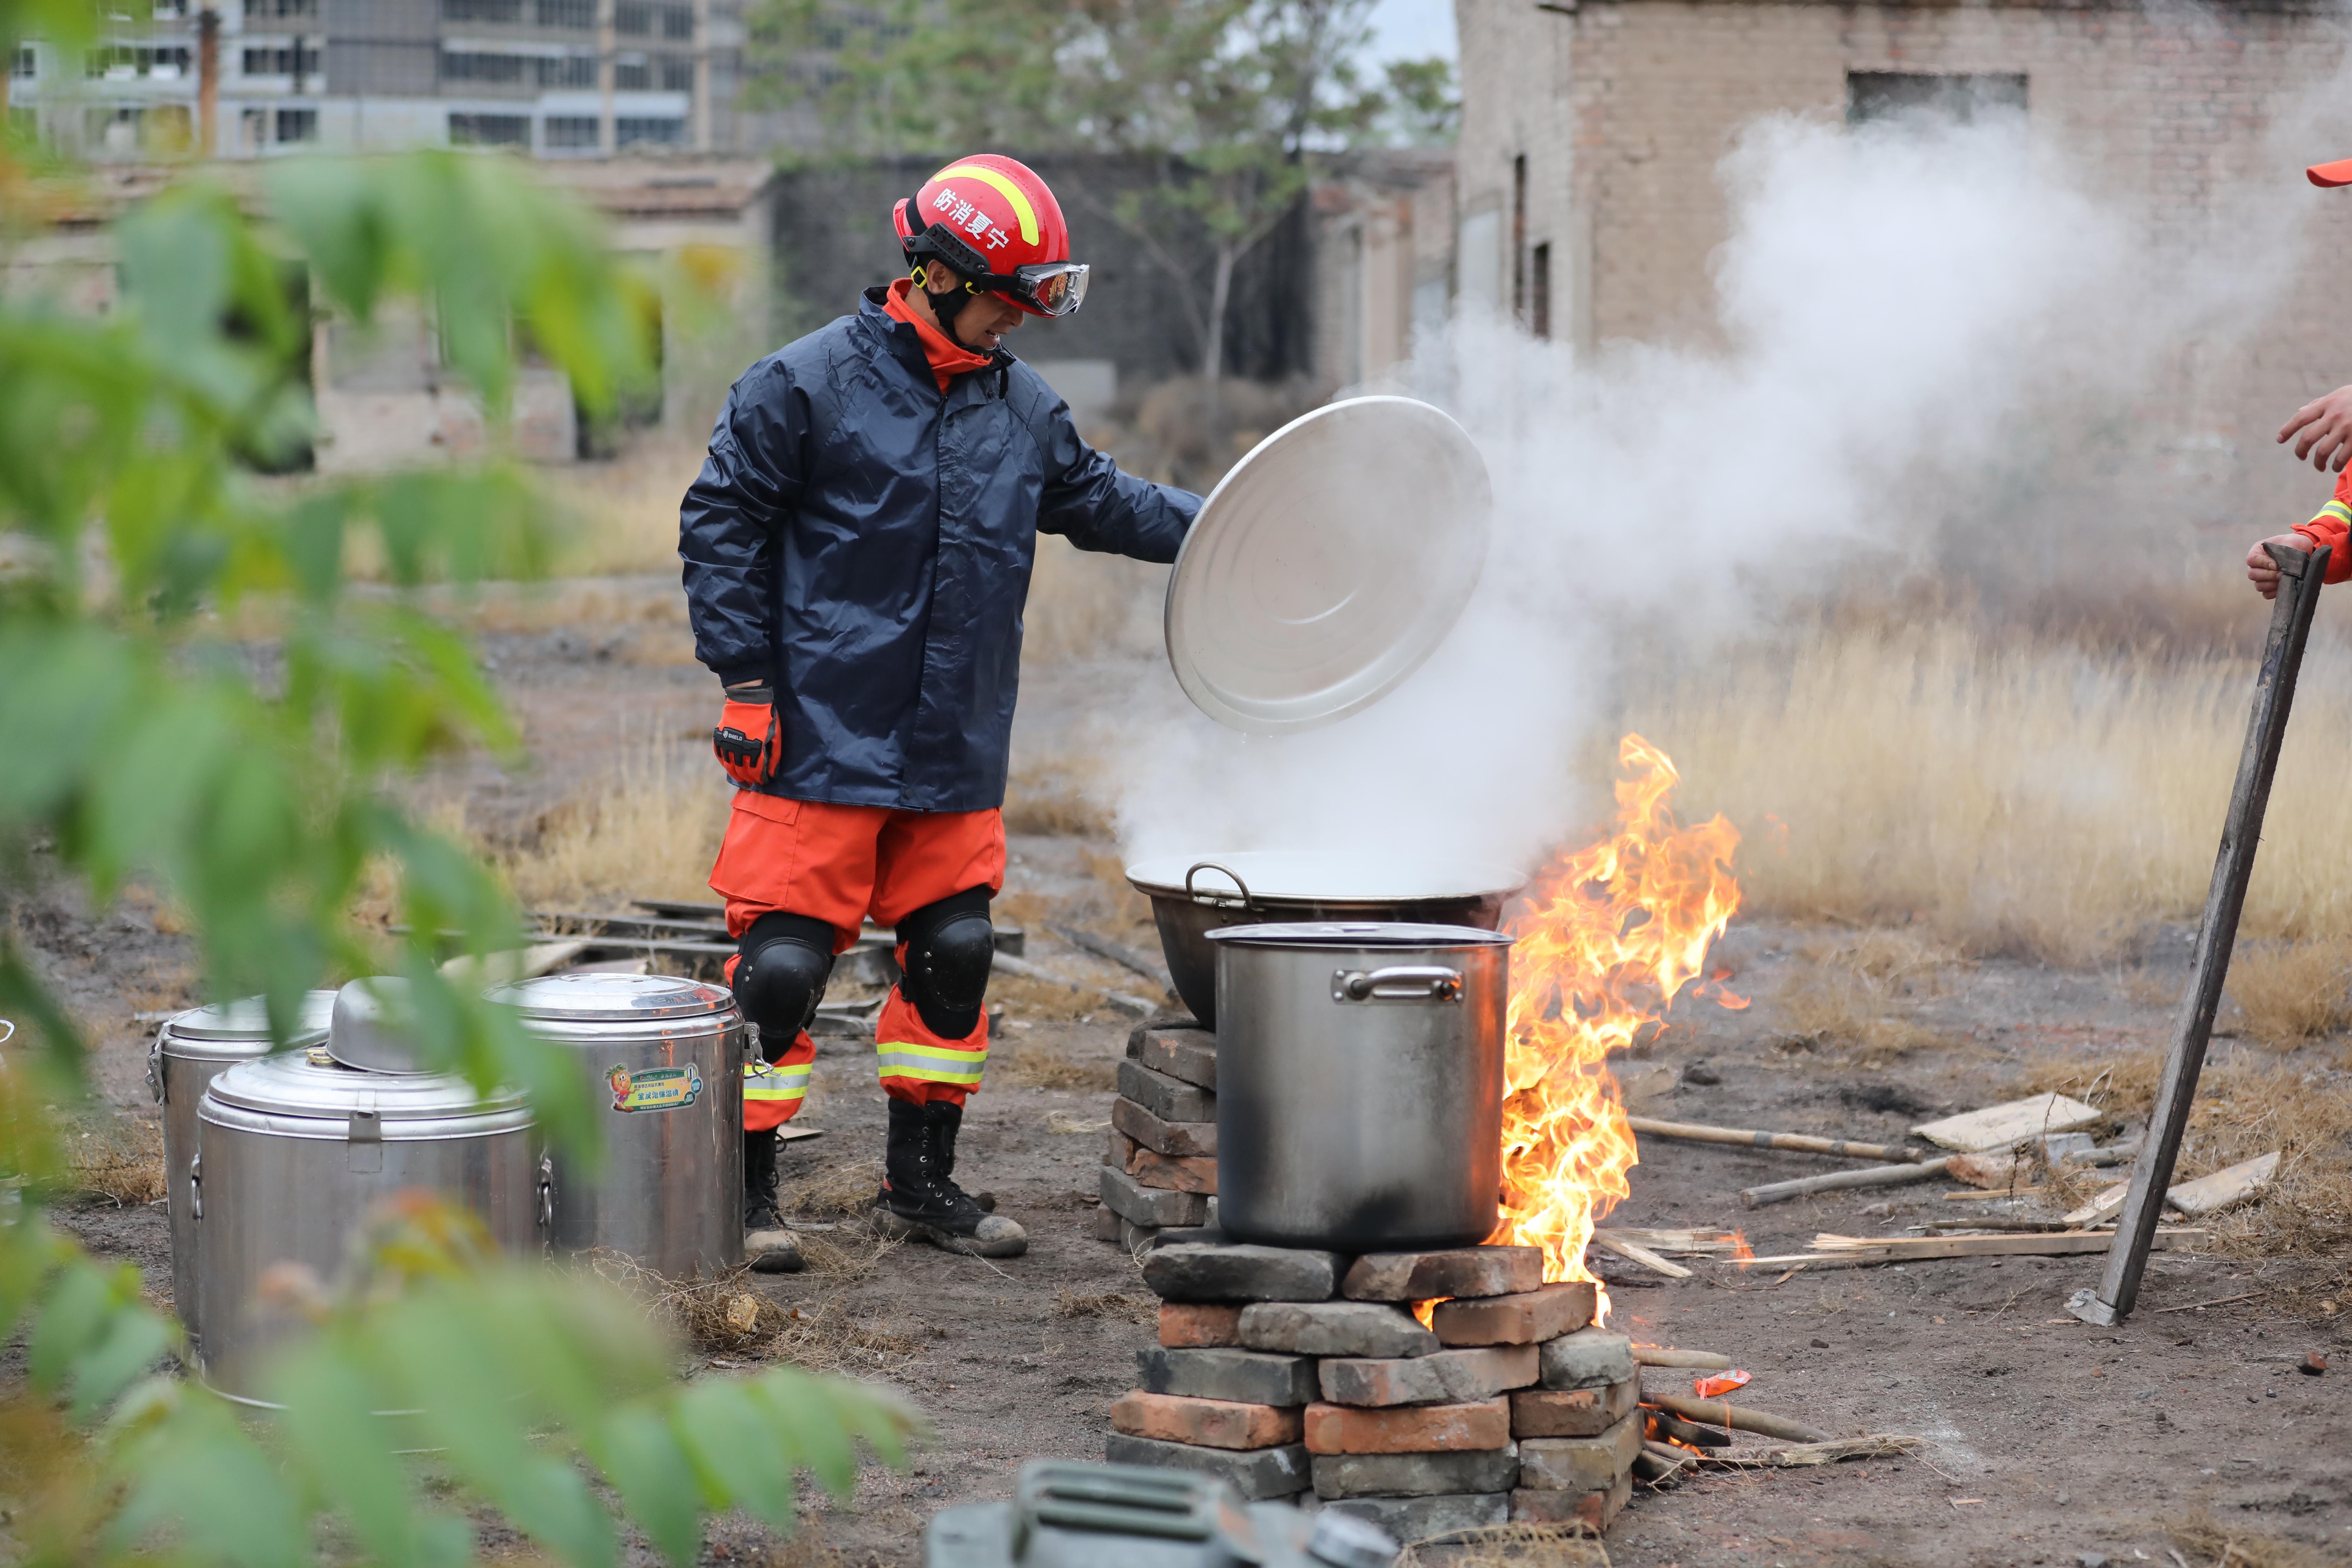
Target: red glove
{"x": 746, "y": 739}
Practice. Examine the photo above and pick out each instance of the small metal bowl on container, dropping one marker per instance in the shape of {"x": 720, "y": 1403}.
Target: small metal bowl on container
{"x": 664, "y": 1058}
{"x": 190, "y": 1051}
{"x": 1359, "y": 1084}
{"x": 296, "y": 1149}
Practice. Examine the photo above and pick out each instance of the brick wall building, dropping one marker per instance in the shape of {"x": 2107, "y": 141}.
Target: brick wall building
{"x": 1590, "y": 205}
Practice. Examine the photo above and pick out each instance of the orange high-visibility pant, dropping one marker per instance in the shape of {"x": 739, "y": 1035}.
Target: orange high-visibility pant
{"x": 843, "y": 865}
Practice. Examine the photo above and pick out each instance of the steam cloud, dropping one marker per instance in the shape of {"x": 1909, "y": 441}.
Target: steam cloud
{"x": 1925, "y": 329}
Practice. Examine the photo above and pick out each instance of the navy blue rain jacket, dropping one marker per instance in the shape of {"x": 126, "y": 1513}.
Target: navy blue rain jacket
{"x": 864, "y": 543}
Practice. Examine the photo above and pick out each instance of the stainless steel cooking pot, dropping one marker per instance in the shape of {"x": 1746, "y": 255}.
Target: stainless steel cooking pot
{"x": 190, "y": 1051}
{"x": 1359, "y": 1084}
{"x": 1192, "y": 897}
{"x": 295, "y": 1150}
{"x": 664, "y": 1058}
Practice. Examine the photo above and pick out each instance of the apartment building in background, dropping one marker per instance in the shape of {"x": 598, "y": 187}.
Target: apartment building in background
{"x": 556, "y": 79}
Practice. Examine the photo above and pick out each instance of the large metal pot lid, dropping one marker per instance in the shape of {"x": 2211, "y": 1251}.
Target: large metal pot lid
{"x": 309, "y": 1083}
{"x": 245, "y": 1021}
{"x": 1324, "y": 877}
{"x": 622, "y": 997}
{"x": 1328, "y": 564}
{"x": 1359, "y": 933}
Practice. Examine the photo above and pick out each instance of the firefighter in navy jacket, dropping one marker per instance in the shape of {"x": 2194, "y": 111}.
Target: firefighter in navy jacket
{"x": 857, "y": 550}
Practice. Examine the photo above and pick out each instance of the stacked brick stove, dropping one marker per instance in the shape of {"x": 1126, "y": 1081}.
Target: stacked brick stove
{"x": 1287, "y": 1371}
{"x": 1160, "y": 1169}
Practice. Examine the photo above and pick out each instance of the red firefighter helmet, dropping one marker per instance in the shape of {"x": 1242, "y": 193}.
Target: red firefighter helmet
{"x": 991, "y": 220}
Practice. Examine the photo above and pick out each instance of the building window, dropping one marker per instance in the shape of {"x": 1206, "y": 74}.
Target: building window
{"x": 281, "y": 59}
{"x": 633, "y": 76}
{"x": 266, "y": 8}
{"x": 567, "y": 71}
{"x": 481, "y": 10}
{"x": 570, "y": 131}
{"x": 1539, "y": 290}
{"x": 122, "y": 61}
{"x": 656, "y": 132}
{"x": 480, "y": 66}
{"x": 677, "y": 72}
{"x": 580, "y": 14}
{"x": 1896, "y": 95}
{"x": 677, "y": 21}
{"x": 490, "y": 130}
{"x": 22, "y": 63}
{"x": 297, "y": 125}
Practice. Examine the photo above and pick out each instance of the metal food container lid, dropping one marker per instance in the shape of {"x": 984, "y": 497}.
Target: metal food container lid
{"x": 244, "y": 1023}
{"x": 300, "y": 1083}
{"x": 625, "y": 998}
{"x": 1328, "y": 564}
{"x": 1327, "y": 877}
{"x": 1360, "y": 933}
{"x": 370, "y": 1029}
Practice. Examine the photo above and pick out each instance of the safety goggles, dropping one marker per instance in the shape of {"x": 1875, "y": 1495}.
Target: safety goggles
{"x": 1056, "y": 288}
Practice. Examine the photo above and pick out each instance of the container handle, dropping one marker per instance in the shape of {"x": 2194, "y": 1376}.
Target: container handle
{"x": 196, "y": 1187}
{"x": 546, "y": 1192}
{"x": 1247, "y": 902}
{"x": 155, "y": 1067}
{"x": 1400, "y": 983}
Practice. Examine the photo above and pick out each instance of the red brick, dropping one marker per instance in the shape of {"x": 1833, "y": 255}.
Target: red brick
{"x": 1572, "y": 1412}
{"x": 1409, "y": 1429}
{"x": 1184, "y": 1175}
{"x": 1596, "y": 1510}
{"x": 1458, "y": 1271}
{"x": 1523, "y": 1320}
{"x": 1196, "y": 1325}
{"x": 1119, "y": 1150}
{"x": 1205, "y": 1422}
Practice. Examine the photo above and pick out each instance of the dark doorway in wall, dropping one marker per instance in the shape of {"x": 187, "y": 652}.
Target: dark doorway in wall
{"x": 1519, "y": 237}
{"x": 1962, "y": 97}
{"x": 1539, "y": 290}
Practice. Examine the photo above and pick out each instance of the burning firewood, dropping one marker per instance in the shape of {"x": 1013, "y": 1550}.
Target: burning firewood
{"x": 1662, "y": 1425}
{"x": 1737, "y": 1418}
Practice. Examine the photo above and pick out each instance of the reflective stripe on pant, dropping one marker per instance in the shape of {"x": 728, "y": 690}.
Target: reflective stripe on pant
{"x": 772, "y": 1094}
{"x": 917, "y": 1065}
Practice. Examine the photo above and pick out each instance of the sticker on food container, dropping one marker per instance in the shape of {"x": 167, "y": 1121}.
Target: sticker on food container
{"x": 654, "y": 1089}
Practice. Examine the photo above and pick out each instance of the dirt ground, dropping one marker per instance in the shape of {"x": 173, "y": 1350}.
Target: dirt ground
{"x": 2049, "y": 1441}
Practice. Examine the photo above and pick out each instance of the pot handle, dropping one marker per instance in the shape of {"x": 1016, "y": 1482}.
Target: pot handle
{"x": 1400, "y": 983}
{"x": 1199, "y": 866}
{"x": 196, "y": 1187}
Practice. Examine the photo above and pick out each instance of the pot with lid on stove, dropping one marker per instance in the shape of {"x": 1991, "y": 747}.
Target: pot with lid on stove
{"x": 189, "y": 1051}
{"x": 664, "y": 1058}
{"x": 296, "y": 1149}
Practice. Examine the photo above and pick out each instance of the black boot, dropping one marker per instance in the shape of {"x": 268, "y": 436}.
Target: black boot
{"x": 920, "y": 1201}
{"x": 768, "y": 1245}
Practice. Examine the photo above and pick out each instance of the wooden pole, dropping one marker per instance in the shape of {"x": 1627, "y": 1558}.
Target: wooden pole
{"x": 208, "y": 83}
{"x": 1799, "y": 1142}
{"x": 1740, "y": 1417}
{"x": 1837, "y": 1181}
{"x": 2300, "y": 575}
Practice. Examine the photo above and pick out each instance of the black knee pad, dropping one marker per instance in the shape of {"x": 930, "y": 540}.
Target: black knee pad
{"x": 949, "y": 945}
{"x": 779, "y": 979}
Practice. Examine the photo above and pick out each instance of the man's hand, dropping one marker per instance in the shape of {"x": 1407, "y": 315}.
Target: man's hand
{"x": 2262, "y": 570}
{"x": 2326, "y": 426}
{"x": 746, "y": 739}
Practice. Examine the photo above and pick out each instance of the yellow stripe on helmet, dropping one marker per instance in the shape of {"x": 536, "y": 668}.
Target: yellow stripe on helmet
{"x": 1011, "y": 192}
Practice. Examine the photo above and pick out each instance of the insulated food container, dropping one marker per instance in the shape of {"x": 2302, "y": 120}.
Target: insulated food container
{"x": 190, "y": 1051}
{"x": 1359, "y": 1084}
{"x": 664, "y": 1058}
{"x": 295, "y": 1150}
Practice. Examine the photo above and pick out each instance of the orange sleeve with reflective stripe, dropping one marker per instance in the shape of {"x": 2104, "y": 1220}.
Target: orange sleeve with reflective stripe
{"x": 2333, "y": 528}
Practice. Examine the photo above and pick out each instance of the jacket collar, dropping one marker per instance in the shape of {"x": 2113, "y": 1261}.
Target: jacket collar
{"x": 906, "y": 344}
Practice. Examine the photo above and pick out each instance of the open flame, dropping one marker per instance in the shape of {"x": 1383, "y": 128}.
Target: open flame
{"x": 1612, "y": 934}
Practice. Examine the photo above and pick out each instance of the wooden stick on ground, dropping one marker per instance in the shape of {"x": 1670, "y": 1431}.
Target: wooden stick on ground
{"x": 1667, "y": 1355}
{"x": 1740, "y": 1417}
{"x": 1798, "y": 1143}
{"x": 1926, "y": 1249}
{"x": 1684, "y": 1431}
{"x": 2300, "y": 575}
{"x": 1637, "y": 1254}
{"x": 1874, "y": 1176}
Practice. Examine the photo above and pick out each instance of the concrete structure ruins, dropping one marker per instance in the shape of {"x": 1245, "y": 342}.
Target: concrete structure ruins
{"x": 1592, "y": 132}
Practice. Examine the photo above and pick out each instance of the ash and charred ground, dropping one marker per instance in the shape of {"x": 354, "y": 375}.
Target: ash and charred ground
{"x": 2050, "y": 1438}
